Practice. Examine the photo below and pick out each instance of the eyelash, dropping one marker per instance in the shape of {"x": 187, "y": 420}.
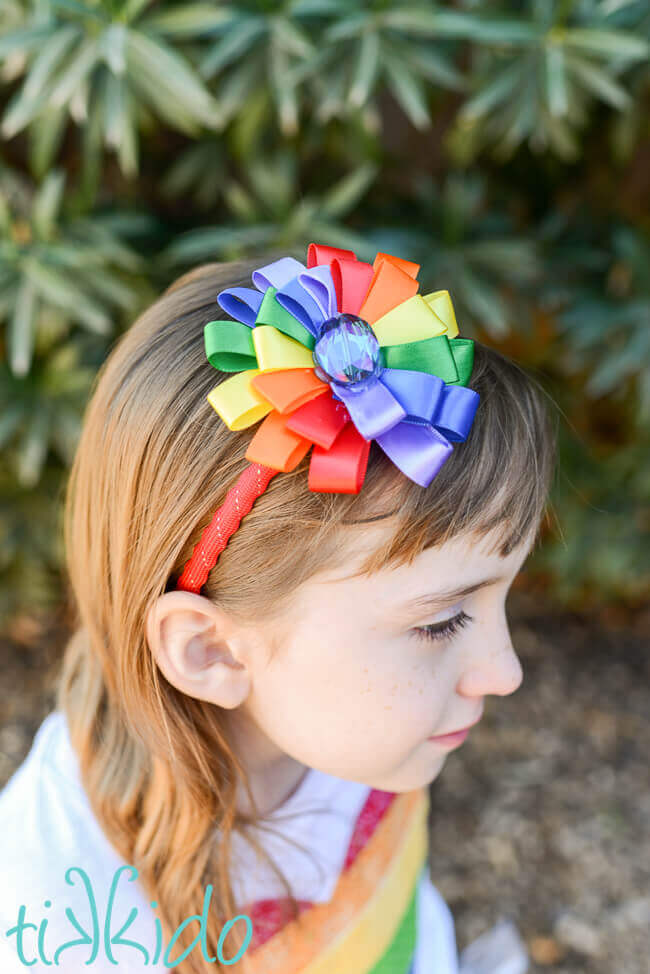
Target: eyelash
{"x": 446, "y": 629}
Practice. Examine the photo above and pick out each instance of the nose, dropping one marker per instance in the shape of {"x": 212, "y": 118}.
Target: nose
{"x": 492, "y": 668}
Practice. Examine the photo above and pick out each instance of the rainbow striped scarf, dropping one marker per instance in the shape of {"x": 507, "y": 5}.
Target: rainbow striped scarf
{"x": 369, "y": 924}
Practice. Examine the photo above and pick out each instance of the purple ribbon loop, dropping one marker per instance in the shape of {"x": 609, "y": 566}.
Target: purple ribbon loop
{"x": 241, "y": 303}
{"x": 299, "y": 303}
{"x": 455, "y": 412}
{"x": 277, "y": 273}
{"x": 373, "y": 409}
{"x": 418, "y": 392}
{"x": 418, "y": 451}
{"x": 317, "y": 281}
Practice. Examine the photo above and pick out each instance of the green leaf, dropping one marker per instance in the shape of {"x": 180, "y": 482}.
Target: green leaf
{"x": 112, "y": 48}
{"x": 50, "y": 55}
{"x": 435, "y": 67}
{"x": 204, "y": 243}
{"x": 562, "y": 138}
{"x": 111, "y": 288}
{"x": 112, "y": 120}
{"x": 46, "y": 204}
{"x": 556, "y": 86}
{"x": 408, "y": 91}
{"x": 133, "y": 8}
{"x": 103, "y": 236}
{"x": 65, "y": 294}
{"x": 483, "y": 30}
{"x": 493, "y": 93}
{"x": 615, "y": 369}
{"x": 72, "y": 76}
{"x": 347, "y": 193}
{"x": 317, "y": 63}
{"x": 366, "y": 69}
{"x": 249, "y": 126}
{"x": 24, "y": 40}
{"x": 20, "y": 337}
{"x": 170, "y": 81}
{"x": 237, "y": 86}
{"x": 33, "y": 449}
{"x": 188, "y": 20}
{"x": 92, "y": 146}
{"x": 291, "y": 38}
{"x": 597, "y": 81}
{"x": 11, "y": 416}
{"x": 411, "y": 20}
{"x": 236, "y": 42}
{"x": 518, "y": 256}
{"x": 128, "y": 146}
{"x": 607, "y": 43}
{"x": 82, "y": 10}
{"x": 114, "y": 110}
{"x": 240, "y": 202}
{"x": 523, "y": 116}
{"x": 274, "y": 182}
{"x": 317, "y": 8}
{"x": 46, "y": 136}
{"x": 485, "y": 303}
{"x": 350, "y": 26}
{"x": 5, "y": 218}
{"x": 22, "y": 110}
{"x": 283, "y": 91}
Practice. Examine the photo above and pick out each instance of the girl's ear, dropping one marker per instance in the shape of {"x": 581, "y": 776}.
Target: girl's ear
{"x": 197, "y": 648}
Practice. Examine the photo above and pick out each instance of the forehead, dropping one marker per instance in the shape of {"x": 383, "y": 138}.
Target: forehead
{"x": 462, "y": 560}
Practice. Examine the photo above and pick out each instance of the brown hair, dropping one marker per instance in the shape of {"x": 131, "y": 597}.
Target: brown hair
{"x": 153, "y": 463}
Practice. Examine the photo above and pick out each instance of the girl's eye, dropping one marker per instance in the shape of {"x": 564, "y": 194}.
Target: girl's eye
{"x": 446, "y": 629}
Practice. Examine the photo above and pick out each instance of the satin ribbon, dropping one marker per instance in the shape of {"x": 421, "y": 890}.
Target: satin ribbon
{"x": 414, "y": 409}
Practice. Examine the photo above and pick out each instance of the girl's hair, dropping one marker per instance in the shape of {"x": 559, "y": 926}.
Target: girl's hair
{"x": 153, "y": 463}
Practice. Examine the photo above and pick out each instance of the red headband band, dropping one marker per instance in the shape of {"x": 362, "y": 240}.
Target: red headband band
{"x": 239, "y": 500}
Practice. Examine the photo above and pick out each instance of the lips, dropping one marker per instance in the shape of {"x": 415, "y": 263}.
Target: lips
{"x": 460, "y": 730}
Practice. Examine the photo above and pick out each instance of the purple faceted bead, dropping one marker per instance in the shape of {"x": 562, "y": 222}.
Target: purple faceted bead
{"x": 347, "y": 351}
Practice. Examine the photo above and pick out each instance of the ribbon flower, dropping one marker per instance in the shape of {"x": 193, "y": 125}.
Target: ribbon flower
{"x": 335, "y": 355}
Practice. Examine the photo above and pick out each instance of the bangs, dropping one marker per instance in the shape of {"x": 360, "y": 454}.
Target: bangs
{"x": 498, "y": 478}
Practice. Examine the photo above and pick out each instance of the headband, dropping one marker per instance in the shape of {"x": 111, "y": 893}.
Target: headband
{"x": 332, "y": 356}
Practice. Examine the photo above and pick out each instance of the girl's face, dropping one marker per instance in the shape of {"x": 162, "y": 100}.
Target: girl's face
{"x": 360, "y": 681}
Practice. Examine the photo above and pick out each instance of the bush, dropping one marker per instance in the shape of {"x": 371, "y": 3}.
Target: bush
{"x": 503, "y": 146}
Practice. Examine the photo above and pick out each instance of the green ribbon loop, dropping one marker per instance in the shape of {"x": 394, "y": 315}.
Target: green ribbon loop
{"x": 229, "y": 346}
{"x": 463, "y": 351}
{"x": 433, "y": 355}
{"x": 272, "y": 313}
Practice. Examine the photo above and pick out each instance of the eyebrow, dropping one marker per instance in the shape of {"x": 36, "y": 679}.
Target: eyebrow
{"x": 445, "y": 596}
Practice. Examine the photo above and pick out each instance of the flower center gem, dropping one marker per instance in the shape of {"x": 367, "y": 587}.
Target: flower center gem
{"x": 347, "y": 351}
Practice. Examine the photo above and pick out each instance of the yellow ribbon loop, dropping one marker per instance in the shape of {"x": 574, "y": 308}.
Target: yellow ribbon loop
{"x": 275, "y": 350}
{"x": 237, "y": 401}
{"x": 411, "y": 321}
{"x": 440, "y": 304}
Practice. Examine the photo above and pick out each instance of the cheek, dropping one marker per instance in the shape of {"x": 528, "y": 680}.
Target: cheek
{"x": 343, "y": 698}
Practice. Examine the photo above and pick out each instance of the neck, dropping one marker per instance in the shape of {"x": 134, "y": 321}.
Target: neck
{"x": 273, "y": 775}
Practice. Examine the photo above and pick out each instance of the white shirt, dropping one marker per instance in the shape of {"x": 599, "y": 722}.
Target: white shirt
{"x": 48, "y": 829}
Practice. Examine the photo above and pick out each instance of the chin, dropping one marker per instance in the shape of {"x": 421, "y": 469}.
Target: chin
{"x": 410, "y": 778}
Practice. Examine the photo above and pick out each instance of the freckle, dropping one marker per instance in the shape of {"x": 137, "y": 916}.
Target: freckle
{"x": 388, "y": 708}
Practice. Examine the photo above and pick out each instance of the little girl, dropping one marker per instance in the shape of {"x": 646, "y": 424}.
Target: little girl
{"x": 295, "y": 511}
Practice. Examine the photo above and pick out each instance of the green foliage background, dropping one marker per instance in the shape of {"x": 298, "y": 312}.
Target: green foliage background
{"x": 504, "y": 146}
